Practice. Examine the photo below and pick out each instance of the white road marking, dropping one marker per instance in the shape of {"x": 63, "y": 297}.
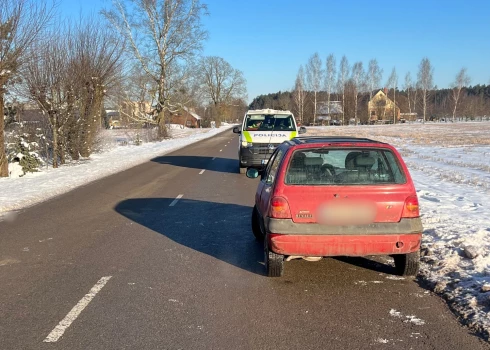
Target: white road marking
{"x": 220, "y": 150}
{"x": 200, "y": 173}
{"x": 225, "y": 145}
{"x": 60, "y": 329}
{"x": 176, "y": 200}
{"x": 213, "y": 158}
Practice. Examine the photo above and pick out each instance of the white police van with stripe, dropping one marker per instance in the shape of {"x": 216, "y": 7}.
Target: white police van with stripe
{"x": 262, "y": 130}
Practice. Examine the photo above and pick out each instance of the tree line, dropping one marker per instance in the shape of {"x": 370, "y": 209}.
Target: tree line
{"x": 143, "y": 54}
{"x": 354, "y": 86}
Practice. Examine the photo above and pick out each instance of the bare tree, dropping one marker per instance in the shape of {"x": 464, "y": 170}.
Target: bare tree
{"x": 408, "y": 87}
{"x": 68, "y": 75}
{"x": 425, "y": 82}
{"x": 95, "y": 62}
{"x": 392, "y": 83}
{"x": 47, "y": 81}
{"x": 220, "y": 83}
{"x": 299, "y": 93}
{"x": 21, "y": 22}
{"x": 374, "y": 75}
{"x": 330, "y": 78}
{"x": 162, "y": 34}
{"x": 314, "y": 77}
{"x": 462, "y": 80}
{"x": 342, "y": 81}
{"x": 358, "y": 80}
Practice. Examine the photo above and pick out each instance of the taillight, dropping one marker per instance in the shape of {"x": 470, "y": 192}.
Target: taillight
{"x": 280, "y": 208}
{"x": 411, "y": 208}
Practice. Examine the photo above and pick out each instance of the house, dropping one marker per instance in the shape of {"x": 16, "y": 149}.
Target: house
{"x": 382, "y": 109}
{"x": 329, "y": 113}
{"x": 186, "y": 116}
{"x": 32, "y": 116}
{"x": 408, "y": 117}
{"x": 113, "y": 119}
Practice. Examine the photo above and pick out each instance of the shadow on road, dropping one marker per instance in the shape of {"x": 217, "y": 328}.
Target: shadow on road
{"x": 224, "y": 165}
{"x": 220, "y": 230}
{"x": 368, "y": 263}
{"x": 217, "y": 229}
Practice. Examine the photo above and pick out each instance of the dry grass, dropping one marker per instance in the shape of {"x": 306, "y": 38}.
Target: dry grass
{"x": 440, "y": 134}
{"x": 467, "y": 137}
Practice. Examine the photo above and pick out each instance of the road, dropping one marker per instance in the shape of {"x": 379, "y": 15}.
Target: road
{"x": 161, "y": 256}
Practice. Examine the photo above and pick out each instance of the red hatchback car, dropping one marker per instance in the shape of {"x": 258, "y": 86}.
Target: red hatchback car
{"x": 336, "y": 196}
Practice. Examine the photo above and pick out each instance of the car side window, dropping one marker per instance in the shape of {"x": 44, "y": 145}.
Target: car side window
{"x": 268, "y": 166}
{"x": 273, "y": 166}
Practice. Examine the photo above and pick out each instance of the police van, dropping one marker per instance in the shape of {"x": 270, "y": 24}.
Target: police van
{"x": 262, "y": 130}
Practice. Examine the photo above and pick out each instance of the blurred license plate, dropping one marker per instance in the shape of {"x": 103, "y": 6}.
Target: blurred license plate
{"x": 264, "y": 161}
{"x": 346, "y": 213}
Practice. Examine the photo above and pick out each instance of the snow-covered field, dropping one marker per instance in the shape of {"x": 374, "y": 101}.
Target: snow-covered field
{"x": 450, "y": 165}
{"x": 118, "y": 152}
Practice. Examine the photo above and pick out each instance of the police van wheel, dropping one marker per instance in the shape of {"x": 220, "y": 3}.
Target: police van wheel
{"x": 243, "y": 170}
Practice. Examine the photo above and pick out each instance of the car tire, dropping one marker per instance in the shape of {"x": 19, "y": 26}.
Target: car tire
{"x": 407, "y": 264}
{"x": 242, "y": 170}
{"x": 256, "y": 229}
{"x": 274, "y": 263}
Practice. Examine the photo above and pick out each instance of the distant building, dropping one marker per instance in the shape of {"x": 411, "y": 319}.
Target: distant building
{"x": 129, "y": 114}
{"x": 409, "y": 117}
{"x": 187, "y": 117}
{"x": 32, "y": 116}
{"x": 113, "y": 119}
{"x": 329, "y": 113}
{"x": 381, "y": 109}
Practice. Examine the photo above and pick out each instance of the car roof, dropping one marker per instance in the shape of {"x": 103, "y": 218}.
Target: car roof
{"x": 267, "y": 111}
{"x": 322, "y": 140}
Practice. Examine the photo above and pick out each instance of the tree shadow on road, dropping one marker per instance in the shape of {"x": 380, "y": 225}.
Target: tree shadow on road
{"x": 220, "y": 230}
{"x": 223, "y": 165}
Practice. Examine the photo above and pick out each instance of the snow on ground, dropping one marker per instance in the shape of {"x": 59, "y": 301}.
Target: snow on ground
{"x": 119, "y": 153}
{"x": 450, "y": 165}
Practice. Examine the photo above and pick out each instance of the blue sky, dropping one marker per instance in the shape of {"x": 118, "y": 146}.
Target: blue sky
{"x": 269, "y": 39}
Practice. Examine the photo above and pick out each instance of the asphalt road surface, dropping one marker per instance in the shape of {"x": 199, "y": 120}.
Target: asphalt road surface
{"x": 162, "y": 256}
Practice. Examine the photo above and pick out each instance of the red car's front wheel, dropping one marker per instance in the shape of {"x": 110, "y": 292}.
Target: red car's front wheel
{"x": 256, "y": 229}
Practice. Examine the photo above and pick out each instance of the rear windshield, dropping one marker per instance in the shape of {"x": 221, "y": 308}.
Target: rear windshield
{"x": 344, "y": 167}
{"x": 269, "y": 122}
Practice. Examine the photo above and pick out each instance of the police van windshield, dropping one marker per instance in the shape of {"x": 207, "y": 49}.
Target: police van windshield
{"x": 269, "y": 122}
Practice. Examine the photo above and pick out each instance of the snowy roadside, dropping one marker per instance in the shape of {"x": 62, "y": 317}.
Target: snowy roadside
{"x": 21, "y": 192}
{"x": 449, "y": 164}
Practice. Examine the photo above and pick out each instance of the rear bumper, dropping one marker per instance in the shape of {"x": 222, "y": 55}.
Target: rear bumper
{"x": 334, "y": 245}
{"x": 289, "y": 227}
{"x": 289, "y": 238}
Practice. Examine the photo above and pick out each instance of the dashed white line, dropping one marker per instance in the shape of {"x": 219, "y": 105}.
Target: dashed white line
{"x": 176, "y": 200}
{"x": 226, "y": 145}
{"x": 220, "y": 150}
{"x": 60, "y": 329}
{"x": 200, "y": 173}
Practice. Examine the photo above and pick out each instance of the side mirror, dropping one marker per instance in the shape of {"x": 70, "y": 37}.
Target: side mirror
{"x": 237, "y": 130}
{"x": 301, "y": 130}
{"x": 252, "y": 173}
